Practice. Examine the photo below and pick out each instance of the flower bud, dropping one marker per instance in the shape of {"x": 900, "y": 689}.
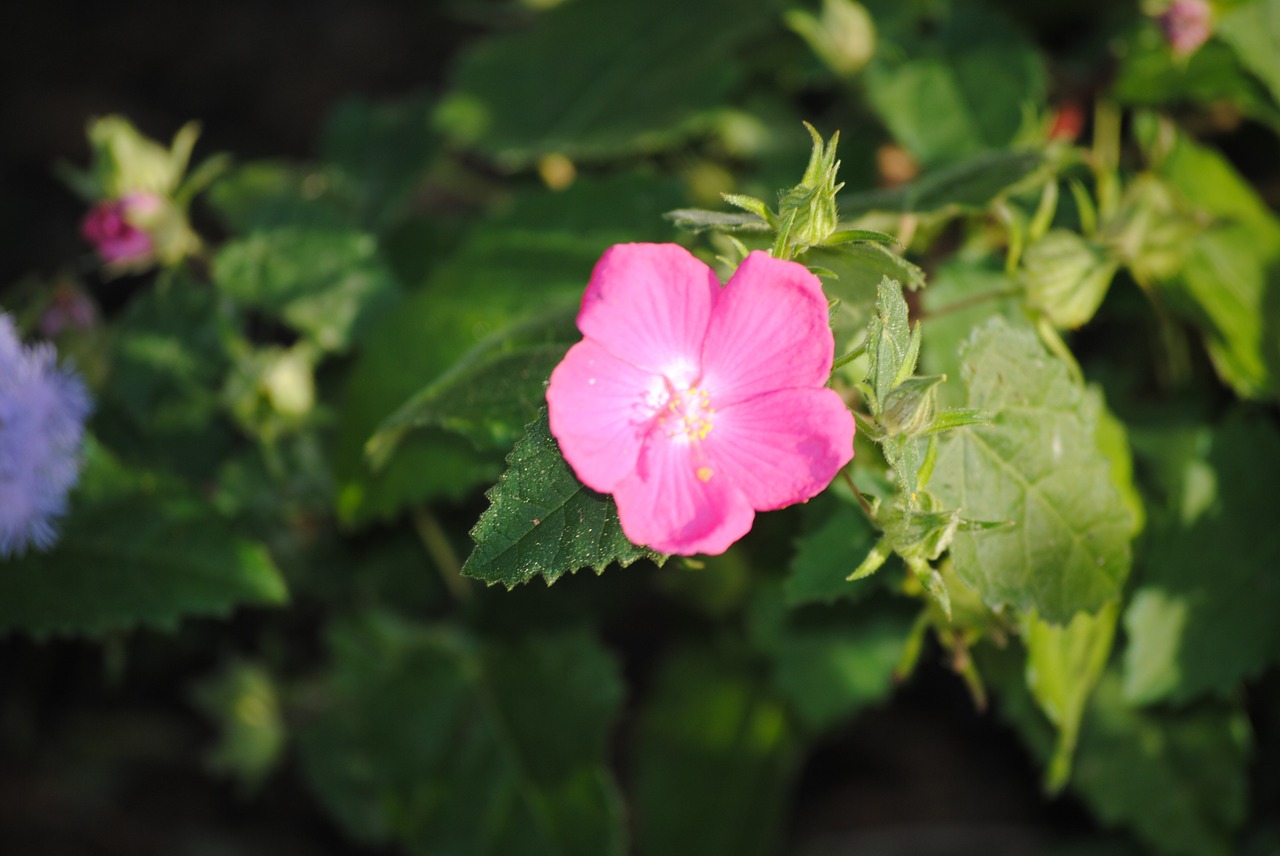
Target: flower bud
{"x": 810, "y": 206}
{"x": 1186, "y": 24}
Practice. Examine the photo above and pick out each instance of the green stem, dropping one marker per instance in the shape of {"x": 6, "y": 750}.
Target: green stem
{"x": 437, "y": 544}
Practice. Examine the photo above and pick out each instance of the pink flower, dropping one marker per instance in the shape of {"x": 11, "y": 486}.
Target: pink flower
{"x": 1187, "y": 24}
{"x": 697, "y": 405}
{"x": 109, "y": 226}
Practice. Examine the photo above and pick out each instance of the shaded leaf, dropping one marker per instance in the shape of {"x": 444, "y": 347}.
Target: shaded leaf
{"x": 714, "y": 755}
{"x": 595, "y": 79}
{"x": 955, "y": 83}
{"x": 543, "y": 521}
{"x": 451, "y": 745}
{"x": 1201, "y": 622}
{"x": 326, "y": 284}
{"x": 969, "y": 184}
{"x": 839, "y": 539}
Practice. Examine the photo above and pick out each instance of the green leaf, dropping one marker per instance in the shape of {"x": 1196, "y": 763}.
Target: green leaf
{"x": 492, "y": 392}
{"x": 1039, "y": 466}
{"x": 1178, "y": 779}
{"x": 383, "y": 151}
{"x": 830, "y": 662}
{"x": 132, "y": 553}
{"x": 1253, "y": 30}
{"x": 265, "y": 195}
{"x": 542, "y": 520}
{"x": 451, "y": 745}
{"x": 1064, "y": 662}
{"x": 162, "y": 405}
{"x": 594, "y": 80}
{"x": 970, "y": 184}
{"x": 855, "y": 274}
{"x": 891, "y": 347}
{"x": 1151, "y": 75}
{"x": 700, "y": 220}
{"x": 955, "y": 84}
{"x": 962, "y": 294}
{"x": 1066, "y": 277}
{"x": 839, "y": 538}
{"x": 1230, "y": 282}
{"x": 1203, "y": 618}
{"x": 713, "y": 759}
{"x": 244, "y": 704}
{"x": 326, "y": 284}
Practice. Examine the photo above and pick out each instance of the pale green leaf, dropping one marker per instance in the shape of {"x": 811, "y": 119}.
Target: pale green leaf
{"x": 1037, "y": 465}
{"x": 1063, "y": 664}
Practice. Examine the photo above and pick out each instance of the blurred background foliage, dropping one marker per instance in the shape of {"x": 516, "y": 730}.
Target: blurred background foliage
{"x": 255, "y": 636}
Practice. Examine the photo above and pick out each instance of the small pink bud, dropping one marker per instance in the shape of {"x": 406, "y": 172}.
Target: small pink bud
{"x": 109, "y": 226}
{"x": 1187, "y": 24}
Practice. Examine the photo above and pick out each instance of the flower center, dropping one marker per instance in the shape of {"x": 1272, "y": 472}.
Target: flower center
{"x": 687, "y": 415}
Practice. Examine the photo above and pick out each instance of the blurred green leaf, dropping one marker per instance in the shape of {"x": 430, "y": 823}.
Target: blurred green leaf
{"x": 1230, "y": 282}
{"x": 326, "y": 284}
{"x": 830, "y": 662}
{"x": 594, "y": 79}
{"x": 493, "y": 392}
{"x": 952, "y": 82}
{"x": 1064, "y": 662}
{"x": 1176, "y": 778}
{"x": 134, "y": 552}
{"x": 969, "y": 184}
{"x": 242, "y": 701}
{"x": 1190, "y": 631}
{"x": 1066, "y": 277}
{"x": 1039, "y": 466}
{"x": 450, "y": 745}
{"x": 1253, "y": 30}
{"x": 714, "y": 755}
{"x": 265, "y": 195}
{"x": 1150, "y": 74}
{"x": 543, "y": 521}
{"x": 383, "y": 151}
{"x": 837, "y": 540}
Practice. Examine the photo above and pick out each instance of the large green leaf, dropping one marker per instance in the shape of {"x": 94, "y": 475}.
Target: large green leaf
{"x": 1253, "y": 30}
{"x": 602, "y": 78}
{"x": 325, "y": 283}
{"x": 451, "y": 745}
{"x": 135, "y": 551}
{"x": 1230, "y": 281}
{"x": 1039, "y": 467}
{"x": 543, "y": 521}
{"x": 970, "y": 184}
{"x": 714, "y": 756}
{"x": 955, "y": 84}
{"x": 1178, "y": 779}
{"x": 1204, "y": 617}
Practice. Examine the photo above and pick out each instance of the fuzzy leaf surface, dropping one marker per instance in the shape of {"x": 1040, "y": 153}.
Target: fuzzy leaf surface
{"x": 543, "y": 521}
{"x": 1039, "y": 466}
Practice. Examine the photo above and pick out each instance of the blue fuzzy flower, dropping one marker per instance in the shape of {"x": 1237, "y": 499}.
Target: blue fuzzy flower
{"x": 42, "y": 413}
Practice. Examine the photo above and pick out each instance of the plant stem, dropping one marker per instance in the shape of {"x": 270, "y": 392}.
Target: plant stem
{"x": 436, "y": 542}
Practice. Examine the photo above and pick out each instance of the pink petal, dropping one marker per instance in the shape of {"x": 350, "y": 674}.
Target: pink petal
{"x": 782, "y": 447}
{"x": 649, "y": 304}
{"x": 674, "y": 504}
{"x": 600, "y": 408}
{"x": 770, "y": 331}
